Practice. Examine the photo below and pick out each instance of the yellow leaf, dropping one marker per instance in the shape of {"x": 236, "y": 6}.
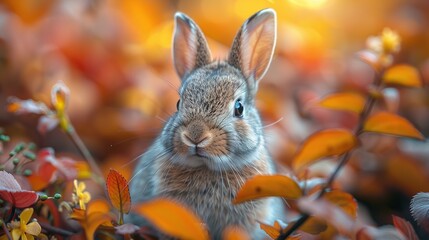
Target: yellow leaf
{"x": 343, "y": 200}
{"x": 235, "y": 233}
{"x": 268, "y": 186}
{"x": 403, "y": 75}
{"x": 352, "y": 102}
{"x": 173, "y": 219}
{"x": 325, "y": 143}
{"x": 389, "y": 123}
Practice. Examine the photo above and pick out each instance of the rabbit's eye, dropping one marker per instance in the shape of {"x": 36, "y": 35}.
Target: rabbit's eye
{"x": 238, "y": 109}
{"x": 178, "y": 104}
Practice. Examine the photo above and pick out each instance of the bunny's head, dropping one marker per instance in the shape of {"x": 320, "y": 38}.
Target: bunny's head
{"x": 216, "y": 124}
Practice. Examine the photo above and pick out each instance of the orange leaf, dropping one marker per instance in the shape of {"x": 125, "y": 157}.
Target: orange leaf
{"x": 343, "y": 200}
{"x": 407, "y": 174}
{"x": 268, "y": 186}
{"x": 389, "y": 123}
{"x": 98, "y": 205}
{"x": 173, "y": 219}
{"x": 235, "y": 233}
{"x": 118, "y": 191}
{"x": 272, "y": 231}
{"x": 325, "y": 143}
{"x": 29, "y": 11}
{"x": 90, "y": 219}
{"x": 402, "y": 75}
{"x": 93, "y": 221}
{"x": 352, "y": 102}
{"x": 13, "y": 107}
{"x": 313, "y": 226}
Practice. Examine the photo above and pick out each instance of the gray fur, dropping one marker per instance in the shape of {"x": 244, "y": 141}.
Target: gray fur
{"x": 206, "y": 177}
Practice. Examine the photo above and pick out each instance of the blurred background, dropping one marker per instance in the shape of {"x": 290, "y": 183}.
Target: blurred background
{"x": 115, "y": 56}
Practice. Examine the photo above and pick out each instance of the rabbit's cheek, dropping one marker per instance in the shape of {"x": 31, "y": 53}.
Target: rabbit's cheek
{"x": 246, "y": 137}
{"x": 179, "y": 147}
{"x": 219, "y": 144}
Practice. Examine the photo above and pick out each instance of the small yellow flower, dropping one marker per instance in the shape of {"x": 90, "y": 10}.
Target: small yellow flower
{"x": 80, "y": 196}
{"x": 391, "y": 41}
{"x": 388, "y": 42}
{"x": 22, "y": 229}
{"x": 60, "y": 98}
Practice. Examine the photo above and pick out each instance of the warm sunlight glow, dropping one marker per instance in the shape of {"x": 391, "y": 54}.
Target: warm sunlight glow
{"x": 309, "y": 3}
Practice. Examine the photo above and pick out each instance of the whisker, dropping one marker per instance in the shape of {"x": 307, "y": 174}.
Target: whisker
{"x": 274, "y": 123}
{"x": 160, "y": 118}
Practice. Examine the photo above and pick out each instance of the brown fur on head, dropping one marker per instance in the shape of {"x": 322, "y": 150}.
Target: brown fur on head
{"x": 216, "y": 124}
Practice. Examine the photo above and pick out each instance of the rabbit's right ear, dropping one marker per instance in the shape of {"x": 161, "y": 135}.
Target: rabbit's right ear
{"x": 190, "y": 49}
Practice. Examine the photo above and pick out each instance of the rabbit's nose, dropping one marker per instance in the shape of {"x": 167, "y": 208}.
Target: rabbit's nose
{"x": 196, "y": 140}
{"x": 196, "y": 134}
{"x": 193, "y": 141}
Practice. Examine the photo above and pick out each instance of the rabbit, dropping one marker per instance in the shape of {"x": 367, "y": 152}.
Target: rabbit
{"x": 214, "y": 142}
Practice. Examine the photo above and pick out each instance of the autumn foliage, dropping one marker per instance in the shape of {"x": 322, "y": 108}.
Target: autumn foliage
{"x": 86, "y": 88}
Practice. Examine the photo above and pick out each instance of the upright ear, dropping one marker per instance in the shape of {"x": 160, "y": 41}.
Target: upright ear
{"x": 190, "y": 49}
{"x": 253, "y": 46}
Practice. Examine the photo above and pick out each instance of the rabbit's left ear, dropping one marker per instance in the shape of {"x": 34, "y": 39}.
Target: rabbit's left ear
{"x": 253, "y": 46}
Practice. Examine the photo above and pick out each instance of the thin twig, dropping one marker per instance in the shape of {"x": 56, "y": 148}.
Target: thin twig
{"x": 86, "y": 154}
{"x": 369, "y": 104}
{"x": 55, "y": 230}
{"x": 6, "y": 231}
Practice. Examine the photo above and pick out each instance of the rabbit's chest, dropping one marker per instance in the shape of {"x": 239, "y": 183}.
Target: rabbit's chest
{"x": 209, "y": 194}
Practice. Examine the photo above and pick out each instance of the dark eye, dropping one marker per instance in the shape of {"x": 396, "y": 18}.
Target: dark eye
{"x": 238, "y": 109}
{"x": 177, "y": 104}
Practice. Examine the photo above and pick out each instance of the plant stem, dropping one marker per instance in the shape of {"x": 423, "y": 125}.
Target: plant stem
{"x": 55, "y": 230}
{"x": 86, "y": 154}
{"x": 6, "y": 231}
{"x": 369, "y": 104}
{"x": 12, "y": 213}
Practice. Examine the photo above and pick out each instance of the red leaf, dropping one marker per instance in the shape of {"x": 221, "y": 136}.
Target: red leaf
{"x": 10, "y": 191}
{"x": 41, "y": 179}
{"x": 384, "y": 232}
{"x": 404, "y": 227}
{"x": 118, "y": 191}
